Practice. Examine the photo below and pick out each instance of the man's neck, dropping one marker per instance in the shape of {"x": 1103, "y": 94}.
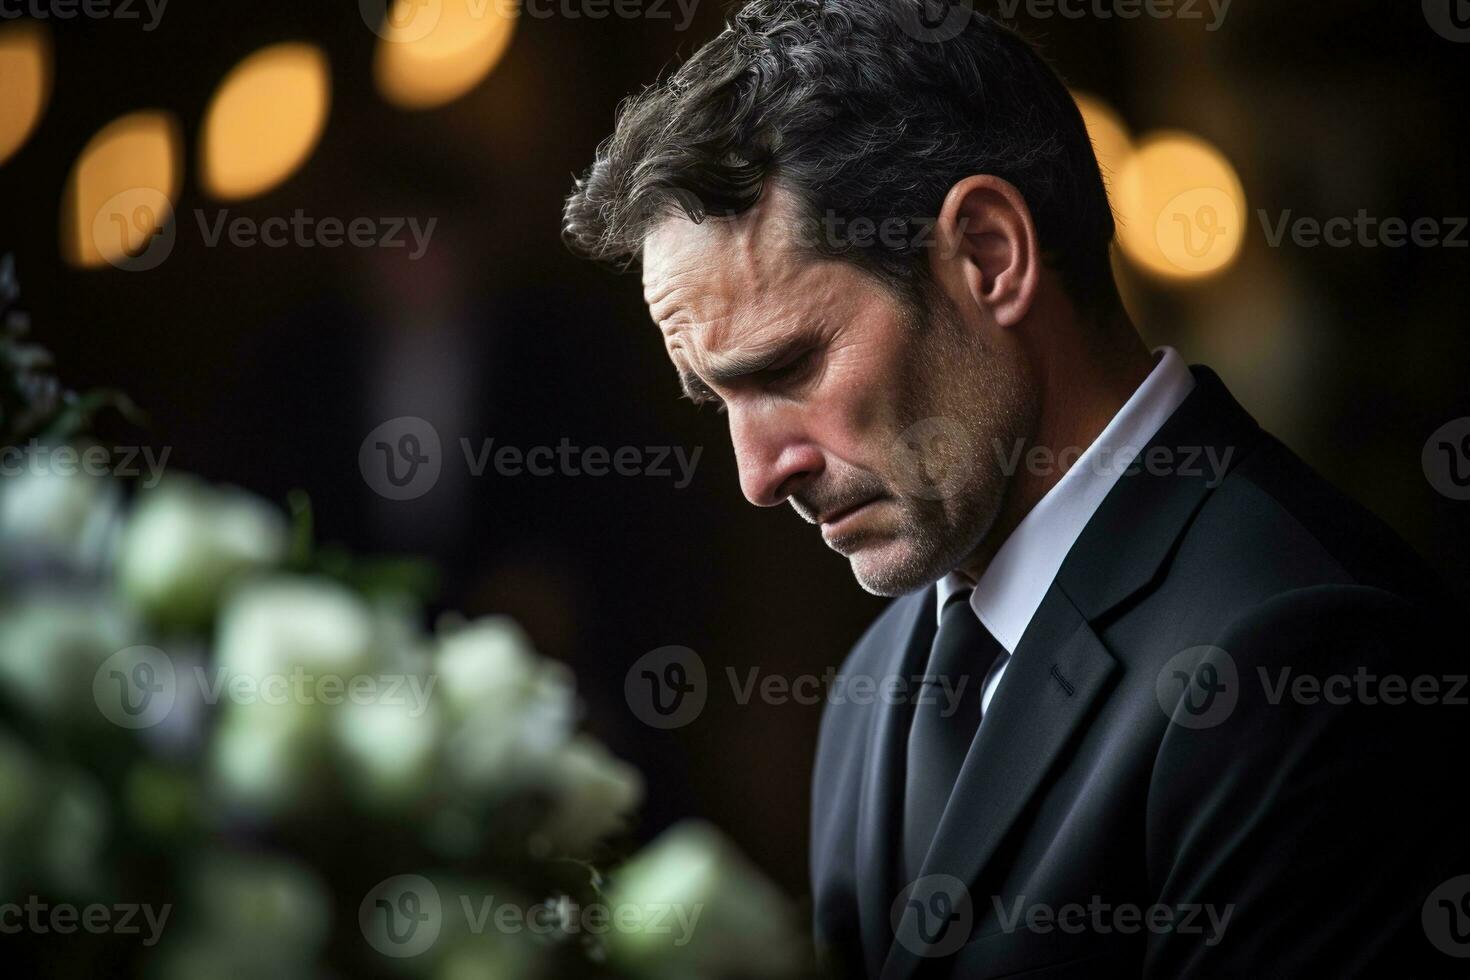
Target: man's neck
{"x": 1080, "y": 388}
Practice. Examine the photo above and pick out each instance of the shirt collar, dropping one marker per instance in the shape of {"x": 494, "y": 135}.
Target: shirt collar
{"x": 1012, "y": 587}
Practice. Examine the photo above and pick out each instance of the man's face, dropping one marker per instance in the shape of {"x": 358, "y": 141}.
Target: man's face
{"x": 876, "y": 427}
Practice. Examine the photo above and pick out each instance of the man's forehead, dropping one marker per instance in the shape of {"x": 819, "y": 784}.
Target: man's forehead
{"x": 716, "y": 308}
{"x": 680, "y": 255}
{"x": 747, "y": 253}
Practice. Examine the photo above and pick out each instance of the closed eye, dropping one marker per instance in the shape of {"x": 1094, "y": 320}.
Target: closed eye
{"x": 783, "y": 371}
{"x": 789, "y": 372}
{"x": 791, "y": 368}
{"x": 695, "y": 390}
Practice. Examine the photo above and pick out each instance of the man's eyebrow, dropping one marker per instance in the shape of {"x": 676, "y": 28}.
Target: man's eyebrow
{"x": 732, "y": 367}
{"x": 695, "y": 389}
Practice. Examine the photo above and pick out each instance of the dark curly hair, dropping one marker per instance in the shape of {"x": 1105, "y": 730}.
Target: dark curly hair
{"x": 864, "y": 114}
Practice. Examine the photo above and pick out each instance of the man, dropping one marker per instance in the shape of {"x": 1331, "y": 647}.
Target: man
{"x": 1143, "y": 703}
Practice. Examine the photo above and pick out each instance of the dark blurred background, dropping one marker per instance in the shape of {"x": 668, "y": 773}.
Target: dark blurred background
{"x": 267, "y": 367}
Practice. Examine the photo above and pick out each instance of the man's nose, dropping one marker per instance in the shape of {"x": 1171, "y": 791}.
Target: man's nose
{"x": 774, "y": 456}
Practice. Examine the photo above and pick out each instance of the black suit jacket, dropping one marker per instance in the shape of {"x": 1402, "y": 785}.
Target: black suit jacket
{"x": 1108, "y": 782}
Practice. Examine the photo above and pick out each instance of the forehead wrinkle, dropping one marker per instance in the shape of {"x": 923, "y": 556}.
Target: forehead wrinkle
{"x": 726, "y": 352}
{"x": 731, "y": 314}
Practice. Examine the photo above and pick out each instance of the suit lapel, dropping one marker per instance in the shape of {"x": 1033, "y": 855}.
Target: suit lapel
{"x": 881, "y": 797}
{"x": 1207, "y": 434}
{"x": 1058, "y": 672}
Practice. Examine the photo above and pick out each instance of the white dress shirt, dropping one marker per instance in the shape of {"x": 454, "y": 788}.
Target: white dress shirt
{"x": 1010, "y": 590}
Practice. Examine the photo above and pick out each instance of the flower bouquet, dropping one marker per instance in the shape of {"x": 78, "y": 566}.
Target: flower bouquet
{"x": 226, "y": 751}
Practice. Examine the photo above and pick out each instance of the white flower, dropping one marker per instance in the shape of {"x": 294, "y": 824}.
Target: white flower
{"x": 297, "y": 669}
{"x": 261, "y": 758}
{"x": 51, "y": 645}
{"x": 389, "y": 746}
{"x": 269, "y": 627}
{"x": 485, "y": 663}
{"x": 595, "y": 796}
{"x": 705, "y": 912}
{"x": 186, "y": 540}
{"x": 511, "y": 709}
{"x": 66, "y": 517}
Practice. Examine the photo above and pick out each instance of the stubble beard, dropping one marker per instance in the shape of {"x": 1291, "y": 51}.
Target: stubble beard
{"x": 989, "y": 394}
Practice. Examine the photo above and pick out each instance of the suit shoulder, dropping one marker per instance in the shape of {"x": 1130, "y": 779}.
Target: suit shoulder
{"x": 1293, "y": 529}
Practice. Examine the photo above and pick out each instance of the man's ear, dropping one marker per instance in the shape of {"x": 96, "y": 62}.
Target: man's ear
{"x": 985, "y": 244}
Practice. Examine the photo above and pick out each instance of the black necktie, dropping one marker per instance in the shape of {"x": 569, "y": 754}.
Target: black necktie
{"x": 945, "y": 721}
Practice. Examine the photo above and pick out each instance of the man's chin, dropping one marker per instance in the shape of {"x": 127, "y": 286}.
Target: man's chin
{"x": 890, "y": 567}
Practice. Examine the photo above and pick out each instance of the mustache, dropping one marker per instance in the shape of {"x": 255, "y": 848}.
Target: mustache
{"x": 810, "y": 503}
